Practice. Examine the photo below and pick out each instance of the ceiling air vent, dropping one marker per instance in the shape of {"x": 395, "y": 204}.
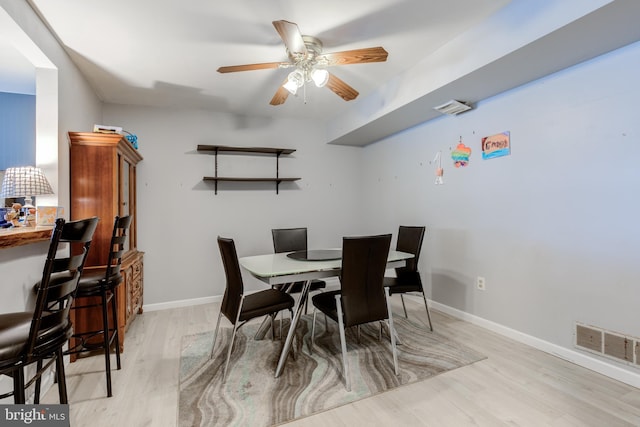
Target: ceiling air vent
{"x": 452, "y": 107}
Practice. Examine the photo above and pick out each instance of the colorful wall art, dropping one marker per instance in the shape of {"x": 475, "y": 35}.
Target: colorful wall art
{"x": 496, "y": 145}
{"x": 461, "y": 155}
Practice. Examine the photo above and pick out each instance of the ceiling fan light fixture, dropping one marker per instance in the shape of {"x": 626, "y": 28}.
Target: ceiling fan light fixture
{"x": 320, "y": 77}
{"x": 305, "y": 55}
{"x": 294, "y": 81}
{"x": 291, "y": 86}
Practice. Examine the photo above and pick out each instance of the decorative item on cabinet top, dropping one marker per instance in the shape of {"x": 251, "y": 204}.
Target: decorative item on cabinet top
{"x": 215, "y": 149}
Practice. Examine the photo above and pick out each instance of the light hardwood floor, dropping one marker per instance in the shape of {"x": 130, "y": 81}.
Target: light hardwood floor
{"x": 515, "y": 386}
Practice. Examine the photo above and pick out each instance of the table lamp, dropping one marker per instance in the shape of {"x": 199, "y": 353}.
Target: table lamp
{"x": 25, "y": 181}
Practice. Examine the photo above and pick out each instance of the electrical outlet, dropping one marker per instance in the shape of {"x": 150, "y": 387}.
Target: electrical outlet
{"x": 480, "y": 283}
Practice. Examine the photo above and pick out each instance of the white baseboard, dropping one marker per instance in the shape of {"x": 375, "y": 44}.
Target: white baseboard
{"x": 331, "y": 284}
{"x": 182, "y": 303}
{"x": 567, "y": 354}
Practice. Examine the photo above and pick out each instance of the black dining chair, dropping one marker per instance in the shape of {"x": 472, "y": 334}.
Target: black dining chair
{"x": 97, "y": 288}
{"x": 293, "y": 240}
{"x": 39, "y": 335}
{"x": 239, "y": 307}
{"x": 362, "y": 297}
{"x": 408, "y": 277}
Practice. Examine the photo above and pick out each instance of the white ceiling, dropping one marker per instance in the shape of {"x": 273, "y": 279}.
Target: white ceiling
{"x": 17, "y": 74}
{"x": 166, "y": 52}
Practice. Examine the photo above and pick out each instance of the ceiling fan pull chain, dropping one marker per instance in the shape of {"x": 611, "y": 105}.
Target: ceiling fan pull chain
{"x": 304, "y": 93}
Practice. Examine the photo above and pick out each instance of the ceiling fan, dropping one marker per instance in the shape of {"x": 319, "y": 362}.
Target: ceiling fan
{"x": 305, "y": 55}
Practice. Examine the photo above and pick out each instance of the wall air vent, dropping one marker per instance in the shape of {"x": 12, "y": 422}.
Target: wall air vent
{"x": 589, "y": 337}
{"x": 613, "y": 345}
{"x": 452, "y": 107}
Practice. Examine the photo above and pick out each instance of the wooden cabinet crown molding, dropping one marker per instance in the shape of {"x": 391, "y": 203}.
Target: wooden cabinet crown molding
{"x": 106, "y": 139}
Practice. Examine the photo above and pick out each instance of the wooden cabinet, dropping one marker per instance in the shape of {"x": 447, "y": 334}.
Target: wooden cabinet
{"x": 133, "y": 277}
{"x": 215, "y": 149}
{"x": 103, "y": 184}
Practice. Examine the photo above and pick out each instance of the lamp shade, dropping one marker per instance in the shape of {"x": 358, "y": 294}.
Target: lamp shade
{"x": 24, "y": 181}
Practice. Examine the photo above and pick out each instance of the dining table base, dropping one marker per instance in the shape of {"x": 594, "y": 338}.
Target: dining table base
{"x": 304, "y": 294}
{"x": 266, "y": 325}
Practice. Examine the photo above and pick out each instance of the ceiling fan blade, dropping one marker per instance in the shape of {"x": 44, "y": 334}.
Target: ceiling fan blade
{"x": 281, "y": 95}
{"x": 292, "y": 38}
{"x": 341, "y": 89}
{"x": 357, "y": 56}
{"x": 251, "y": 67}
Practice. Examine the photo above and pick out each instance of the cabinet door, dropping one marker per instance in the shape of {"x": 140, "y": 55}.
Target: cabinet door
{"x": 125, "y": 195}
{"x": 127, "y": 272}
{"x": 125, "y": 181}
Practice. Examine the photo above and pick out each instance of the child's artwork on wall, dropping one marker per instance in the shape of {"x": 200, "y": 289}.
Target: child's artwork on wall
{"x": 461, "y": 155}
{"x": 496, "y": 145}
{"x": 47, "y": 215}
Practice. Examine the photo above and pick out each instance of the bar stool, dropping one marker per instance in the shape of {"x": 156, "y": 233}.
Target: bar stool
{"x": 103, "y": 285}
{"x": 33, "y": 337}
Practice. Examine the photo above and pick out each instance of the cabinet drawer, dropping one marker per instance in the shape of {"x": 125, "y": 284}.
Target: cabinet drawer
{"x": 136, "y": 286}
{"x": 136, "y": 303}
{"x": 137, "y": 268}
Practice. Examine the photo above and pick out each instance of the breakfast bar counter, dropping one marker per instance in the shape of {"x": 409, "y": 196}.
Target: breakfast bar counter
{"x": 18, "y": 236}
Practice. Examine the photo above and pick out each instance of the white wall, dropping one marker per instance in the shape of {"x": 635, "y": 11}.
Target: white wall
{"x": 77, "y": 107}
{"x": 552, "y": 227}
{"x": 179, "y": 217}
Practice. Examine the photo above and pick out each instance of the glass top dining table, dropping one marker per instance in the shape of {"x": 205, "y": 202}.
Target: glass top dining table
{"x": 278, "y": 268}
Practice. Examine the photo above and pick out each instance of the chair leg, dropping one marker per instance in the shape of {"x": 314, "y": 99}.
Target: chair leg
{"x": 273, "y": 327}
{"x": 116, "y": 332}
{"x": 313, "y": 331}
{"x": 427, "y": 307}
{"x": 343, "y": 344}
{"x": 226, "y": 364}
{"x": 62, "y": 382}
{"x": 105, "y": 340}
{"x": 236, "y": 325}
{"x": 36, "y": 393}
{"x": 392, "y": 331}
{"x": 406, "y": 316}
{"x": 215, "y": 335}
{"x": 18, "y": 386}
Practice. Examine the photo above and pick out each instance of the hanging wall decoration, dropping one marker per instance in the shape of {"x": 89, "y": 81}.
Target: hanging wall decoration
{"x": 461, "y": 155}
{"x": 437, "y": 160}
{"x": 496, "y": 145}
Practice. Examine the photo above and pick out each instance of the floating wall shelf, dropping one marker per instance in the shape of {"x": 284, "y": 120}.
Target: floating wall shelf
{"x": 215, "y": 149}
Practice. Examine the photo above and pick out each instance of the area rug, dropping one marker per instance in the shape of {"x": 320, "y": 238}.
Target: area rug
{"x": 252, "y": 396}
